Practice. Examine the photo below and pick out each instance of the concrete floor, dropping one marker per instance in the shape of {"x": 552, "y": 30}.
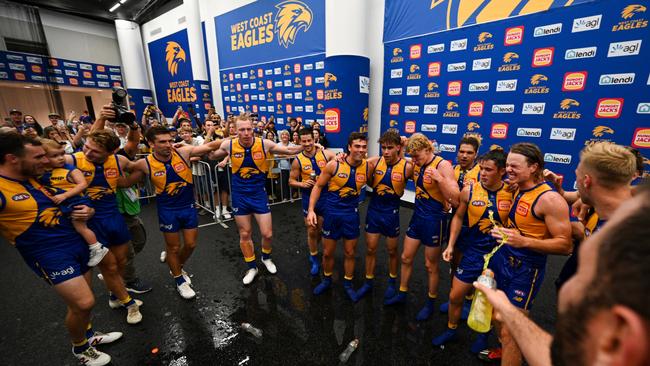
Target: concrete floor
{"x": 299, "y": 329}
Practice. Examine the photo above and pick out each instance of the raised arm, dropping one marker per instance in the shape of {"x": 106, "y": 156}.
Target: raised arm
{"x": 221, "y": 152}
{"x": 105, "y": 113}
{"x": 447, "y": 183}
{"x": 277, "y": 149}
{"x": 132, "y": 141}
{"x": 205, "y": 148}
{"x": 138, "y": 172}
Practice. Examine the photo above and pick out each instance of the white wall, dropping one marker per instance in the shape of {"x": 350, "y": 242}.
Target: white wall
{"x": 80, "y": 39}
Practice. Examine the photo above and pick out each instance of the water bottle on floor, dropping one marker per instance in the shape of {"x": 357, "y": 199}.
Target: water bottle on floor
{"x": 252, "y": 330}
{"x": 352, "y": 346}
{"x": 480, "y": 314}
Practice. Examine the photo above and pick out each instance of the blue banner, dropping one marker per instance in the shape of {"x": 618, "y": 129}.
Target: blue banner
{"x": 410, "y": 18}
{"x": 171, "y": 65}
{"x": 292, "y": 88}
{"x": 559, "y": 79}
{"x": 347, "y": 86}
{"x": 270, "y": 30}
{"x": 36, "y": 69}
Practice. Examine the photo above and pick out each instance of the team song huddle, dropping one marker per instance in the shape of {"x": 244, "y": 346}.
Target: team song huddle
{"x": 498, "y": 212}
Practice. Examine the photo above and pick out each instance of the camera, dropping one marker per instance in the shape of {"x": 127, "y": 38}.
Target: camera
{"x": 121, "y": 108}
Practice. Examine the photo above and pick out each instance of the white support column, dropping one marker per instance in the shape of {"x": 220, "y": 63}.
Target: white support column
{"x": 195, "y": 37}
{"x": 134, "y": 65}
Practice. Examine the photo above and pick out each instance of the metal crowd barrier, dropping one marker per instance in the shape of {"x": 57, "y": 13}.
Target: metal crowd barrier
{"x": 208, "y": 188}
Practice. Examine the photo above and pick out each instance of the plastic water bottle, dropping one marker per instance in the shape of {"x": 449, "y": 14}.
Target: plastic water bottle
{"x": 352, "y": 346}
{"x": 252, "y": 330}
{"x": 480, "y": 314}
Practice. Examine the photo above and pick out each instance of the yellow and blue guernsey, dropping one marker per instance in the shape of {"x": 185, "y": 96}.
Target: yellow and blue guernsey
{"x": 44, "y": 236}
{"x": 471, "y": 175}
{"x": 172, "y": 180}
{"x": 345, "y": 186}
{"x": 341, "y": 219}
{"x": 523, "y": 218}
{"x": 519, "y": 272}
{"x": 388, "y": 183}
{"x": 107, "y": 223}
{"x": 102, "y": 183}
{"x": 429, "y": 221}
{"x": 60, "y": 178}
{"x": 309, "y": 165}
{"x": 249, "y": 170}
{"x": 484, "y": 207}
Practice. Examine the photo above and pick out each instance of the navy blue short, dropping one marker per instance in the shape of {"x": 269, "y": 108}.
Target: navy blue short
{"x": 68, "y": 205}
{"x": 175, "y": 220}
{"x": 250, "y": 203}
{"x": 320, "y": 205}
{"x": 520, "y": 281}
{"x": 59, "y": 262}
{"x": 385, "y": 223}
{"x": 110, "y": 230}
{"x": 470, "y": 266}
{"x": 341, "y": 225}
{"x": 430, "y": 231}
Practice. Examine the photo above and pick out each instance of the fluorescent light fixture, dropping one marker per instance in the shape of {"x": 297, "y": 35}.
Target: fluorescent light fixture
{"x": 123, "y": 1}
{"x": 117, "y": 5}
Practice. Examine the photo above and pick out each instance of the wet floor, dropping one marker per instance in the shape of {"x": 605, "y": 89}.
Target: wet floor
{"x": 298, "y": 328}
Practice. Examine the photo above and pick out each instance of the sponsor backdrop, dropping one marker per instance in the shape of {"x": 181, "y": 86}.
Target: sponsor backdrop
{"x": 272, "y": 60}
{"x": 35, "y": 69}
{"x": 559, "y": 78}
{"x": 347, "y": 85}
{"x": 171, "y": 64}
{"x": 410, "y": 18}
{"x": 283, "y": 89}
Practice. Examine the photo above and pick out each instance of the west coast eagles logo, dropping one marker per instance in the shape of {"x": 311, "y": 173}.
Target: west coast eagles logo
{"x": 600, "y": 131}
{"x": 291, "y": 17}
{"x": 629, "y": 11}
{"x": 174, "y": 54}
{"x": 568, "y": 103}
{"x": 329, "y": 77}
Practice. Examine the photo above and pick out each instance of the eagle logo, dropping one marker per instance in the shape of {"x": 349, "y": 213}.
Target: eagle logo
{"x": 347, "y": 192}
{"x": 509, "y": 56}
{"x": 292, "y": 16}
{"x": 392, "y": 123}
{"x": 473, "y": 126}
{"x": 397, "y": 51}
{"x": 308, "y": 92}
{"x": 567, "y": 103}
{"x": 246, "y": 172}
{"x": 451, "y": 105}
{"x": 328, "y": 78}
{"x": 383, "y": 189}
{"x": 484, "y": 36}
{"x": 414, "y": 68}
{"x": 537, "y": 78}
{"x": 485, "y": 225}
{"x": 599, "y": 131}
{"x": 297, "y": 80}
{"x": 96, "y": 193}
{"x": 50, "y": 217}
{"x": 432, "y": 86}
{"x": 319, "y": 106}
{"x": 173, "y": 55}
{"x": 495, "y": 147}
{"x": 174, "y": 188}
{"x": 365, "y": 114}
{"x": 629, "y": 11}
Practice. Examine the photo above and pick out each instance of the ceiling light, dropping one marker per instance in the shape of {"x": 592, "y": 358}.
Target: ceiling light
{"x": 117, "y": 5}
{"x": 123, "y": 1}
